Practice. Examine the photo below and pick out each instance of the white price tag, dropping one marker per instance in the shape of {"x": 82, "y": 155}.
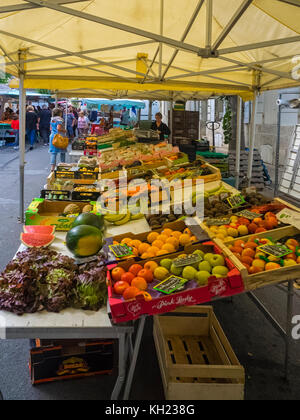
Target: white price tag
{"x": 289, "y": 217}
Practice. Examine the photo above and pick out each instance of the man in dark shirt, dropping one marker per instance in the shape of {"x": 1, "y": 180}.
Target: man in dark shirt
{"x": 31, "y": 125}
{"x": 160, "y": 127}
{"x": 44, "y": 123}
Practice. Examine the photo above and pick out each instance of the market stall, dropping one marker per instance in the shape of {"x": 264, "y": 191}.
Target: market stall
{"x": 254, "y": 63}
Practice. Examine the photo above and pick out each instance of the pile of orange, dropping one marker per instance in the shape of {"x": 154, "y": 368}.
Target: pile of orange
{"x": 256, "y": 261}
{"x": 133, "y": 284}
{"x": 159, "y": 244}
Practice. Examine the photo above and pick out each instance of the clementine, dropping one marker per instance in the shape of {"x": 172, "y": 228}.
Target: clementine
{"x": 135, "y": 269}
{"x": 147, "y": 275}
{"x": 140, "y": 283}
{"x": 151, "y": 265}
{"x": 131, "y": 293}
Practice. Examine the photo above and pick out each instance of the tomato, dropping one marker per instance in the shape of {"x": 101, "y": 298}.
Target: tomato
{"x": 127, "y": 277}
{"x": 135, "y": 269}
{"x": 117, "y": 273}
{"x": 120, "y": 287}
{"x": 147, "y": 275}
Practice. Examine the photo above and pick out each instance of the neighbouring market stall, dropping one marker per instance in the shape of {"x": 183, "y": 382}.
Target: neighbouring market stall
{"x": 156, "y": 60}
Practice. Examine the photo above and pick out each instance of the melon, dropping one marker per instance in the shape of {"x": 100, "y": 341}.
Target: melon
{"x": 90, "y": 219}
{"x": 45, "y": 230}
{"x": 84, "y": 241}
{"x": 36, "y": 240}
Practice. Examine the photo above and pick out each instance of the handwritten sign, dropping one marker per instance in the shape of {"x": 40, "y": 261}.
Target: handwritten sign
{"x": 121, "y": 251}
{"x": 188, "y": 260}
{"x": 217, "y": 222}
{"x": 236, "y": 201}
{"x": 277, "y": 251}
{"x": 249, "y": 215}
{"x": 171, "y": 285}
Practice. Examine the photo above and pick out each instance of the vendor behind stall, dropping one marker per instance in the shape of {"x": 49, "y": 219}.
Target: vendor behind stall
{"x": 160, "y": 127}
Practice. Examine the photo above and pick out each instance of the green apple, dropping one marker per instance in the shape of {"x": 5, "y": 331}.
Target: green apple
{"x": 199, "y": 252}
{"x": 208, "y": 257}
{"x": 166, "y": 263}
{"x": 189, "y": 273}
{"x": 216, "y": 260}
{"x": 202, "y": 278}
{"x": 177, "y": 271}
{"x": 220, "y": 271}
{"x": 204, "y": 266}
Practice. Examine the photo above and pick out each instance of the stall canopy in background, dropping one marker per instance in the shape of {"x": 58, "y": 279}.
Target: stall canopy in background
{"x": 159, "y": 49}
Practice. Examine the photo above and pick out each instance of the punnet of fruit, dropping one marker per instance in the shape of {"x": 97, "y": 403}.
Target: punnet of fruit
{"x": 145, "y": 280}
{"x": 243, "y": 226}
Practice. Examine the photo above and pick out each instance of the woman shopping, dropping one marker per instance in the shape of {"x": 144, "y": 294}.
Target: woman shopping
{"x": 83, "y": 125}
{"x": 57, "y": 130}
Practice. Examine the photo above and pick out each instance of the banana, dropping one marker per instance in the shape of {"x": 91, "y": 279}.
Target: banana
{"x": 125, "y": 220}
{"x": 113, "y": 218}
{"x": 137, "y": 216}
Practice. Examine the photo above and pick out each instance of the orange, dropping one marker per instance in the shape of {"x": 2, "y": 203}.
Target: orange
{"x": 126, "y": 241}
{"x": 176, "y": 234}
{"x": 255, "y": 270}
{"x": 145, "y": 295}
{"x": 187, "y": 232}
{"x": 153, "y": 251}
{"x": 136, "y": 244}
{"x": 158, "y": 244}
{"x": 140, "y": 283}
{"x": 151, "y": 265}
{"x": 247, "y": 260}
{"x": 252, "y": 228}
{"x": 239, "y": 243}
{"x": 237, "y": 249}
{"x": 135, "y": 252}
{"x": 143, "y": 248}
{"x": 258, "y": 220}
{"x": 260, "y": 230}
{"x": 135, "y": 269}
{"x": 194, "y": 239}
{"x": 259, "y": 263}
{"x": 251, "y": 245}
{"x": 115, "y": 243}
{"x": 152, "y": 237}
{"x": 163, "y": 238}
{"x": 161, "y": 253}
{"x": 169, "y": 248}
{"x": 184, "y": 240}
{"x": 248, "y": 252}
{"x": 272, "y": 266}
{"x": 146, "y": 256}
{"x": 291, "y": 257}
{"x": 167, "y": 232}
{"x": 247, "y": 266}
{"x": 147, "y": 275}
{"x": 131, "y": 293}
{"x": 174, "y": 242}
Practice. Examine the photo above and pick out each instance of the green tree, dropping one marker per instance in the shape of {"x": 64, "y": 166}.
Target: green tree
{"x": 4, "y": 78}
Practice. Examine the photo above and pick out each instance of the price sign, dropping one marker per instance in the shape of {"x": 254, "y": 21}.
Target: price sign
{"x": 277, "y": 251}
{"x": 171, "y": 285}
{"x": 217, "y": 222}
{"x": 214, "y": 199}
{"x": 248, "y": 214}
{"x": 121, "y": 251}
{"x": 186, "y": 261}
{"x": 236, "y": 201}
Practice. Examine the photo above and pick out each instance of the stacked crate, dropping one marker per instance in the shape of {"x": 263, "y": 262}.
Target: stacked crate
{"x": 257, "y": 178}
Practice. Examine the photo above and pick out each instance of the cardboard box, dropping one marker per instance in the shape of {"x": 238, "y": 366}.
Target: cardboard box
{"x": 57, "y": 360}
{"x": 48, "y": 213}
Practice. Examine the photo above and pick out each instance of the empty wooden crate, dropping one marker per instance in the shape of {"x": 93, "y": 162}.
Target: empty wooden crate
{"x": 196, "y": 359}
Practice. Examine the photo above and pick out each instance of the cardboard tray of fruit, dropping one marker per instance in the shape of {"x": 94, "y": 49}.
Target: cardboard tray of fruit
{"x": 259, "y": 269}
{"x": 137, "y": 296}
{"x": 172, "y": 238}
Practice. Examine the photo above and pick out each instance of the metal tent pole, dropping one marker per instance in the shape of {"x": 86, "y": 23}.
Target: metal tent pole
{"x": 22, "y": 119}
{"x": 238, "y": 142}
{"x": 171, "y": 121}
{"x": 252, "y": 139}
{"x": 277, "y": 158}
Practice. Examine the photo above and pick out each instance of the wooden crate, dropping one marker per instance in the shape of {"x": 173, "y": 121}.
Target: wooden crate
{"x": 195, "y": 357}
{"x": 266, "y": 278}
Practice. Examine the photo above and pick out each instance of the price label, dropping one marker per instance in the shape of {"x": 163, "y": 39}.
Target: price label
{"x": 217, "y": 222}
{"x": 277, "y": 251}
{"x": 214, "y": 199}
{"x": 236, "y": 201}
{"x": 121, "y": 251}
{"x": 186, "y": 261}
{"x": 248, "y": 214}
{"x": 171, "y": 285}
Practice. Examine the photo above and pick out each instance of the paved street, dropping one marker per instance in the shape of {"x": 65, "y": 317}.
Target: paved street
{"x": 258, "y": 347}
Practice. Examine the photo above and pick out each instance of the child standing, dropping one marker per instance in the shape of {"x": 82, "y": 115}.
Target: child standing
{"x": 57, "y": 127}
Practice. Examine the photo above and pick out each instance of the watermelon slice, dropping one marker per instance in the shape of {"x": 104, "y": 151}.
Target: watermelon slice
{"x": 45, "y": 230}
{"x": 36, "y": 240}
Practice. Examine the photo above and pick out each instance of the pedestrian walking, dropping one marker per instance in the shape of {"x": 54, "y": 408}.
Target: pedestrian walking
{"x": 15, "y": 125}
{"x": 44, "y": 124}
{"x": 83, "y": 125}
{"x": 31, "y": 125}
{"x": 57, "y": 127}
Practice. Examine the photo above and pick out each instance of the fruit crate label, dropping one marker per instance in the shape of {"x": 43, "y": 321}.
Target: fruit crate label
{"x": 217, "y": 222}
{"x": 277, "y": 251}
{"x": 248, "y": 214}
{"x": 188, "y": 260}
{"x": 236, "y": 201}
{"x": 214, "y": 199}
{"x": 121, "y": 251}
{"x": 171, "y": 285}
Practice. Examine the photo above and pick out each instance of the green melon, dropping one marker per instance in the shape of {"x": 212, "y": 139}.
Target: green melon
{"x": 90, "y": 219}
{"x": 84, "y": 241}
